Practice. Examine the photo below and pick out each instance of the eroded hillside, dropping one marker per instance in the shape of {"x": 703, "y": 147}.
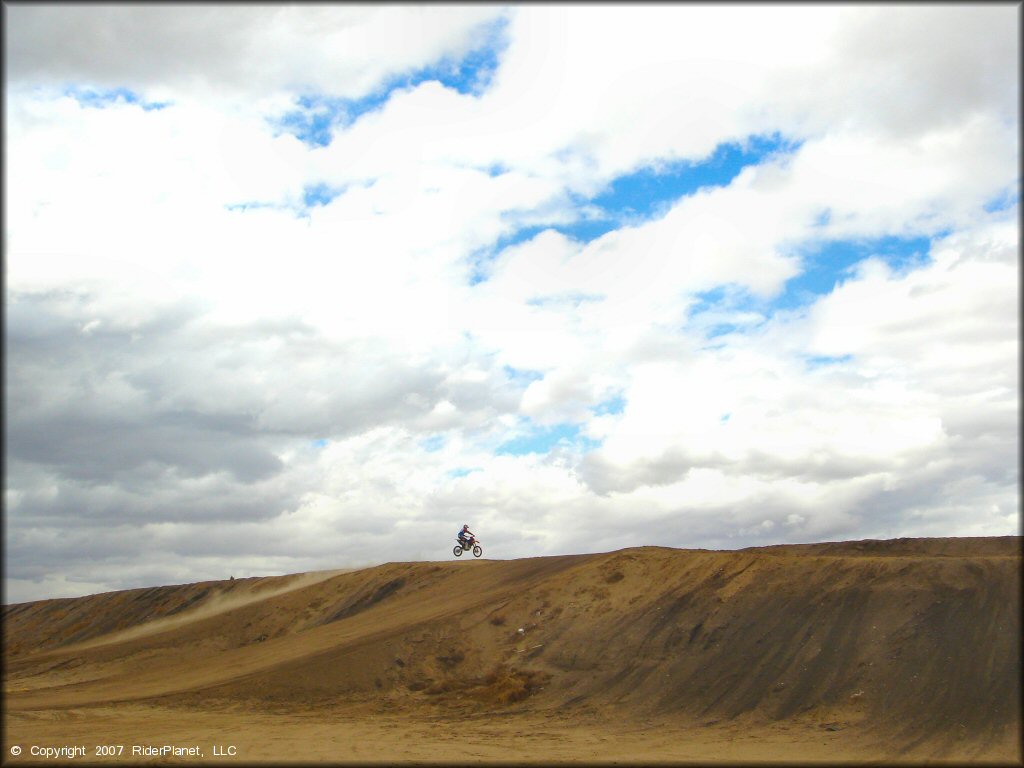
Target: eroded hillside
{"x": 913, "y": 640}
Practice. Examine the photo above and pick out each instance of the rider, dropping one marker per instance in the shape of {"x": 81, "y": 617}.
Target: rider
{"x": 464, "y": 534}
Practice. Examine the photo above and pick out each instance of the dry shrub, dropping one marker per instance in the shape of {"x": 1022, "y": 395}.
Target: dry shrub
{"x": 498, "y": 620}
{"x": 613, "y": 577}
{"x": 509, "y": 689}
{"x": 504, "y": 686}
{"x": 500, "y": 687}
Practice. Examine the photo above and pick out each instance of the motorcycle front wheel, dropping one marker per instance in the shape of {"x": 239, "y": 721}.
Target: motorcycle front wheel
{"x": 457, "y": 551}
{"x": 477, "y": 551}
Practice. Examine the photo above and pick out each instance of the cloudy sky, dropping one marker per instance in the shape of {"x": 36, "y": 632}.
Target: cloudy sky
{"x": 298, "y": 287}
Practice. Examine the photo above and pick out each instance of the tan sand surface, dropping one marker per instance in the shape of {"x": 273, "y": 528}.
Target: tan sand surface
{"x": 875, "y": 651}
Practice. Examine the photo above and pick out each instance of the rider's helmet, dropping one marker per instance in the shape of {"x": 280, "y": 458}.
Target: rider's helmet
{"x": 465, "y": 527}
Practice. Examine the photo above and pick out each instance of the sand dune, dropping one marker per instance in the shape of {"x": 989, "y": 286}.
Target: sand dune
{"x": 876, "y": 650}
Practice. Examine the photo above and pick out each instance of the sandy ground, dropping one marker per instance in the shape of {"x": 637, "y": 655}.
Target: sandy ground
{"x": 354, "y": 736}
{"x": 897, "y": 652}
{"x": 362, "y": 737}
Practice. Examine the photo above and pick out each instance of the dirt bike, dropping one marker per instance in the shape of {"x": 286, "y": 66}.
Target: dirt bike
{"x": 466, "y": 546}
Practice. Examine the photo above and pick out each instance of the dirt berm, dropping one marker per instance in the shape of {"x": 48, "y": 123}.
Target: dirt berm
{"x": 913, "y": 645}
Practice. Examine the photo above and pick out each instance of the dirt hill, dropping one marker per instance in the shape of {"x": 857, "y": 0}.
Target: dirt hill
{"x": 906, "y": 648}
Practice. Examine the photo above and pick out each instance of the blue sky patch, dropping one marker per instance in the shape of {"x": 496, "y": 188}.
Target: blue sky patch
{"x": 543, "y": 439}
{"x": 721, "y": 329}
{"x": 472, "y": 74}
{"x": 461, "y": 471}
{"x": 318, "y": 194}
{"x": 520, "y": 235}
{"x": 433, "y": 443}
{"x": 482, "y": 259}
{"x": 650, "y": 191}
{"x": 724, "y": 310}
{"x": 826, "y": 264}
{"x": 313, "y": 196}
{"x": 643, "y": 195}
{"x": 250, "y": 205}
{"x": 521, "y": 376}
{"x": 720, "y": 300}
{"x": 821, "y": 361}
{"x": 564, "y": 300}
{"x": 706, "y": 300}
{"x": 611, "y": 406}
{"x": 1003, "y": 202}
{"x": 99, "y": 98}
{"x": 316, "y": 116}
{"x": 587, "y": 230}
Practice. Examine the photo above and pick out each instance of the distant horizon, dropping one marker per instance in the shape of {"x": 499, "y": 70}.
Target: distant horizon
{"x": 232, "y": 577}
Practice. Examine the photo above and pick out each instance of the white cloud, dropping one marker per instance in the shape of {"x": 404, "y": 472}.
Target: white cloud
{"x": 237, "y": 52}
{"x": 945, "y": 326}
{"x": 183, "y": 331}
{"x": 903, "y": 71}
{"x": 872, "y": 185}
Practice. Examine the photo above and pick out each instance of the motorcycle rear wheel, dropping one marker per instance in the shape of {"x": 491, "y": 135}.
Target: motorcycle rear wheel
{"x": 457, "y": 551}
